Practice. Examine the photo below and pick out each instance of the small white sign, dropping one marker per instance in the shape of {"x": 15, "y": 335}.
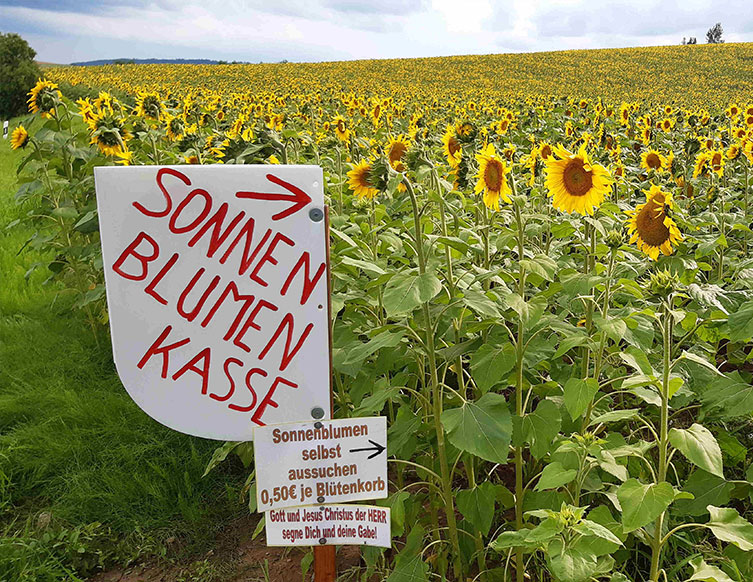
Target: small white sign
{"x": 217, "y": 293}
{"x": 5, "y": 130}
{"x": 320, "y": 462}
{"x": 361, "y": 525}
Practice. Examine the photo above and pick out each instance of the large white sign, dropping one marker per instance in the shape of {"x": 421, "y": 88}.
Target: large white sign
{"x": 362, "y": 525}
{"x": 217, "y": 293}
{"x": 320, "y": 462}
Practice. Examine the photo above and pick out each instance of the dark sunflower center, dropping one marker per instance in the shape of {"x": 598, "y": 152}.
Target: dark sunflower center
{"x": 341, "y": 126}
{"x": 453, "y": 146}
{"x": 653, "y": 161}
{"x": 577, "y": 179}
{"x": 650, "y": 223}
{"x": 493, "y": 176}
{"x": 546, "y": 151}
{"x": 363, "y": 177}
{"x": 396, "y": 151}
{"x": 716, "y": 161}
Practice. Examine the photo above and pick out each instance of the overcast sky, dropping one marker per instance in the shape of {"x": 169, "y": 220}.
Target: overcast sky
{"x": 63, "y": 31}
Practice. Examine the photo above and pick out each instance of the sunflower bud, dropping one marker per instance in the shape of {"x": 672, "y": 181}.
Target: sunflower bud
{"x": 663, "y": 283}
{"x": 613, "y": 239}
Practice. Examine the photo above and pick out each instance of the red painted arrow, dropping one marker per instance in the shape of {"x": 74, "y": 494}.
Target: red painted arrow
{"x": 296, "y": 195}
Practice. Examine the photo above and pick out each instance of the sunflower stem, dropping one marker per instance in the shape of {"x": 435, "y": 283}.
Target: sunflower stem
{"x": 603, "y": 340}
{"x": 745, "y": 206}
{"x": 590, "y": 263}
{"x": 450, "y": 281}
{"x": 663, "y": 438}
{"x": 519, "y": 405}
{"x": 436, "y": 397}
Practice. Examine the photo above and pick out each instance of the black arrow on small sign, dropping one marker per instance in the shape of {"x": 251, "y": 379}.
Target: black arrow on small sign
{"x": 377, "y": 448}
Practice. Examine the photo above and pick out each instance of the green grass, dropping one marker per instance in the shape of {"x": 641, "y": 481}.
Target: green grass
{"x": 74, "y": 449}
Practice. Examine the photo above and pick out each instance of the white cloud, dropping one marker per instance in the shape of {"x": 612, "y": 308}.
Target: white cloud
{"x": 465, "y": 16}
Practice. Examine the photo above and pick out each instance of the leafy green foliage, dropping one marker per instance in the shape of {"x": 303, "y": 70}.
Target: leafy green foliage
{"x": 700, "y": 447}
{"x": 641, "y": 503}
{"x": 483, "y": 428}
{"x": 18, "y": 71}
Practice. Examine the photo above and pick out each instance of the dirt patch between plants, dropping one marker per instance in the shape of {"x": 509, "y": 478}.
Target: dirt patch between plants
{"x": 235, "y": 558}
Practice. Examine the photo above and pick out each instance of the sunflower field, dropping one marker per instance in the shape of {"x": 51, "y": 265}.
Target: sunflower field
{"x": 541, "y": 275}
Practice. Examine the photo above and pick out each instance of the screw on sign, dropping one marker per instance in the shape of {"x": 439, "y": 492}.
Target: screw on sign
{"x": 217, "y": 290}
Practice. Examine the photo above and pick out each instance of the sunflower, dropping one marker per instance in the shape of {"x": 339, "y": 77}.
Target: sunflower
{"x": 43, "y": 97}
{"x": 376, "y": 113}
{"x": 451, "y": 146}
{"x": 341, "y": 129}
{"x": 653, "y": 160}
{"x": 650, "y": 226}
{"x": 109, "y": 135}
{"x": 466, "y": 130}
{"x": 86, "y": 111}
{"x": 747, "y": 147}
{"x": 19, "y": 138}
{"x": 716, "y": 162}
{"x": 359, "y": 180}
{"x": 104, "y": 102}
{"x": 701, "y": 166}
{"x": 666, "y": 125}
{"x": 733, "y": 151}
{"x": 149, "y": 106}
{"x": 576, "y": 184}
{"x": 509, "y": 151}
{"x": 396, "y": 149}
{"x": 174, "y": 128}
{"x": 624, "y": 114}
{"x": 492, "y": 178}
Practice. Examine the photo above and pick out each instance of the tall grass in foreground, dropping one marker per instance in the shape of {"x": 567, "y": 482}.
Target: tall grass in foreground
{"x": 86, "y": 478}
